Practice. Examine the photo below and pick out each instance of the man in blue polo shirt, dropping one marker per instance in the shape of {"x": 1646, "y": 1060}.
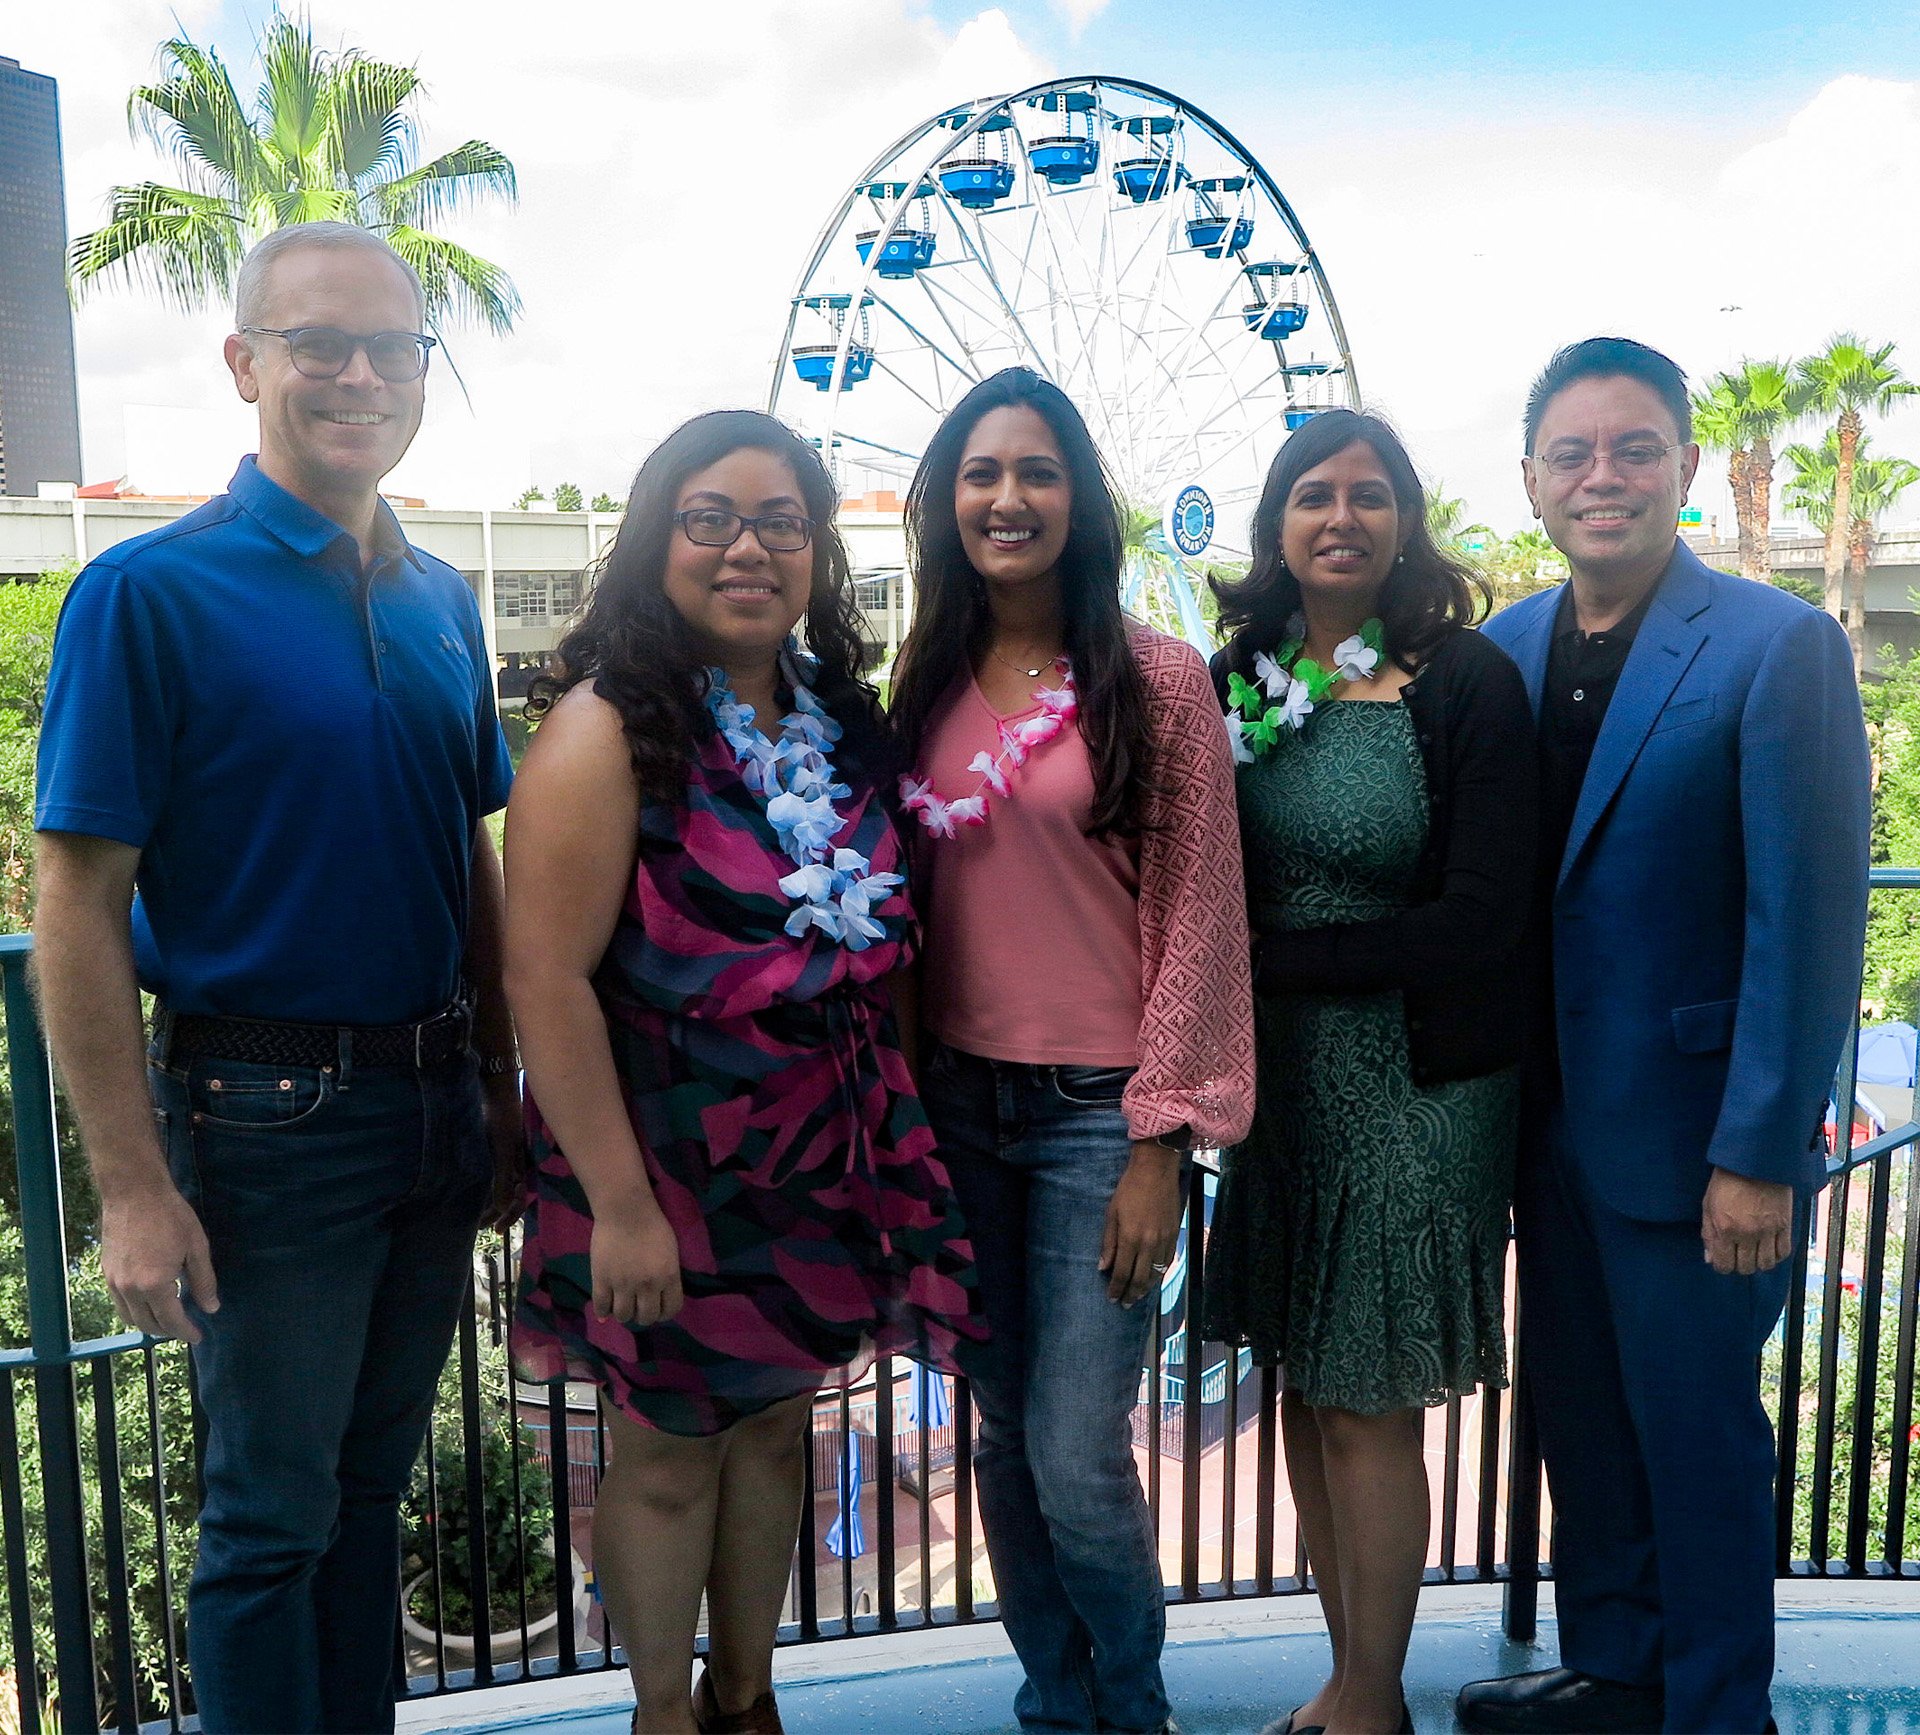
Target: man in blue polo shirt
{"x": 270, "y": 732}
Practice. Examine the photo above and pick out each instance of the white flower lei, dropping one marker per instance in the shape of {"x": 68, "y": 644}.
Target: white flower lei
{"x": 832, "y": 889}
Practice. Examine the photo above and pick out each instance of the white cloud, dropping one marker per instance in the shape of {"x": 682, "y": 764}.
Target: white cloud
{"x": 1081, "y": 13}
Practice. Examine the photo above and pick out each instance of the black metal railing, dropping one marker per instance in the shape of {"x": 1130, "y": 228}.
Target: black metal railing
{"x": 98, "y": 1457}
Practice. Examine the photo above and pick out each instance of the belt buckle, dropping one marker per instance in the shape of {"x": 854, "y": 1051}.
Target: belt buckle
{"x": 450, "y": 1015}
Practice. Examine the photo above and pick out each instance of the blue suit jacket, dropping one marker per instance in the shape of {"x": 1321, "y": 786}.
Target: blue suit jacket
{"x": 1709, "y": 911}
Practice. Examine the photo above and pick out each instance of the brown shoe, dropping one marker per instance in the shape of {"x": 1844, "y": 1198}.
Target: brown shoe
{"x": 762, "y": 1717}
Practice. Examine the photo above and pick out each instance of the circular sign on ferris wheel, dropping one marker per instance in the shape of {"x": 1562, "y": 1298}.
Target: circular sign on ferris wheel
{"x": 1190, "y": 521}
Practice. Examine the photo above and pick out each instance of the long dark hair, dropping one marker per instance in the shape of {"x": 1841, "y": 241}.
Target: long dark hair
{"x": 640, "y": 655}
{"x": 951, "y": 615}
{"x": 1428, "y": 594}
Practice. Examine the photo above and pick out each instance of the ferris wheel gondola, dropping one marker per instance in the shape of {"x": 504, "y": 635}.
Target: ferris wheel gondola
{"x": 1043, "y": 228}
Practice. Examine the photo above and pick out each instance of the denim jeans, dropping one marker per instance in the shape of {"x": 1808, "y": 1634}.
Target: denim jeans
{"x": 1035, "y": 1153}
{"x": 340, "y": 1206}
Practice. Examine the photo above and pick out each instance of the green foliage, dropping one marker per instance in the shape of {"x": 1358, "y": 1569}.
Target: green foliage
{"x": 28, "y": 611}
{"x": 604, "y": 502}
{"x": 528, "y": 497}
{"x": 519, "y": 1537}
{"x": 567, "y": 497}
{"x": 332, "y": 136}
{"x": 1518, "y": 565}
{"x": 1892, "y": 704}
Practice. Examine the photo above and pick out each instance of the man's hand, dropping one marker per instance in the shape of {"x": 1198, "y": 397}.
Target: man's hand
{"x": 148, "y": 1242}
{"x": 507, "y": 1139}
{"x": 1746, "y": 1225}
{"x": 1143, "y": 1222}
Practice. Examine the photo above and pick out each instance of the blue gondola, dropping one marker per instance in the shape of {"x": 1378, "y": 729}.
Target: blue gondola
{"x": 1274, "y": 320}
{"x": 813, "y": 362}
{"x": 1155, "y": 173}
{"x": 1218, "y": 226}
{"x": 1066, "y": 159}
{"x": 1299, "y": 415}
{"x": 910, "y": 248}
{"x": 979, "y": 182}
{"x": 906, "y": 252}
{"x": 1216, "y": 237}
{"x": 1064, "y": 162}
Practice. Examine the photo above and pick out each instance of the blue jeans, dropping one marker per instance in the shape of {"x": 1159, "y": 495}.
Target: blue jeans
{"x": 340, "y": 1206}
{"x": 1035, "y": 1153}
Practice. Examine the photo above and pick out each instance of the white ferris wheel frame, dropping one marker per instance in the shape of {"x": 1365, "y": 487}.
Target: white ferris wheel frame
{"x": 1116, "y": 410}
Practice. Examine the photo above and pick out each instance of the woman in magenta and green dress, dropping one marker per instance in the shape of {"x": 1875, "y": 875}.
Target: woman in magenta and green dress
{"x": 734, "y": 1196}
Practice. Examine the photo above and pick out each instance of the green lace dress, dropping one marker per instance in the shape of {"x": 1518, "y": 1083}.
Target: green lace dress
{"x": 1359, "y": 1238}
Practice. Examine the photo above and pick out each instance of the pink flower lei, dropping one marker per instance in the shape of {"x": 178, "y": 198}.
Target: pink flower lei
{"x": 942, "y": 817}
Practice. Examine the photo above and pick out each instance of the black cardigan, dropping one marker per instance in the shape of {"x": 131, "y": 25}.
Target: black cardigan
{"x": 1457, "y": 951}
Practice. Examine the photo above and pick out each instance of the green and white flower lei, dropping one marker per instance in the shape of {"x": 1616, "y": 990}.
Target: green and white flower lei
{"x": 1290, "y": 684}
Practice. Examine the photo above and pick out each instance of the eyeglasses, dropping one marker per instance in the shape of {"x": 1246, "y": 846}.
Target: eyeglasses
{"x": 322, "y": 352}
{"x": 779, "y": 532}
{"x": 1635, "y": 458}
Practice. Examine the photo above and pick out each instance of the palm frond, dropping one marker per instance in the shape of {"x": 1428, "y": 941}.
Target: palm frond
{"x": 295, "y": 99}
{"x": 461, "y": 178}
{"x": 303, "y": 203}
{"x": 373, "y": 134}
{"x": 459, "y": 284}
{"x": 196, "y": 118}
{"x": 184, "y": 245}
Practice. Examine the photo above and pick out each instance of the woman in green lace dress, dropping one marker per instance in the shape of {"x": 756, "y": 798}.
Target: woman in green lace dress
{"x": 1387, "y": 788}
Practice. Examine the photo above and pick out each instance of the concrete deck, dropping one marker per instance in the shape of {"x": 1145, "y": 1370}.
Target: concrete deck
{"x": 1849, "y": 1664}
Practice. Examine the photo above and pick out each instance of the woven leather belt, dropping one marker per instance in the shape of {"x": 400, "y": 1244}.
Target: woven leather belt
{"x": 431, "y": 1042}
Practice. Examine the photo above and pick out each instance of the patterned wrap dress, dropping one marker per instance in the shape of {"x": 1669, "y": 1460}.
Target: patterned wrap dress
{"x": 781, "y": 1132}
{"x": 1360, "y": 1235}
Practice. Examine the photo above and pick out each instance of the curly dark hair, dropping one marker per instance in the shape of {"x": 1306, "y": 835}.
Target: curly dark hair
{"x": 1427, "y": 595}
{"x": 640, "y": 655}
{"x": 952, "y": 617}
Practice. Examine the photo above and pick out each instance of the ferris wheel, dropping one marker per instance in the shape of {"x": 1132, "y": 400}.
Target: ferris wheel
{"x": 1117, "y": 241}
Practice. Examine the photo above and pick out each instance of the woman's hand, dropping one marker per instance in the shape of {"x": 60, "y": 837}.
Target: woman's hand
{"x": 1143, "y": 1222}
{"x": 635, "y": 1259}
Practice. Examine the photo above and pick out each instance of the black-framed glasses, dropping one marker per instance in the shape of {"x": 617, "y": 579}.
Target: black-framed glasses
{"x": 1635, "y": 458}
{"x": 714, "y": 527}
{"x": 322, "y": 352}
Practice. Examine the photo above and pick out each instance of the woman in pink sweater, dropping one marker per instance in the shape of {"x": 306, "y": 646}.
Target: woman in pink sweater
{"x": 1085, "y": 1000}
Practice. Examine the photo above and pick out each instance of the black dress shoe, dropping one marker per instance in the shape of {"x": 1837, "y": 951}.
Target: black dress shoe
{"x": 1560, "y": 1702}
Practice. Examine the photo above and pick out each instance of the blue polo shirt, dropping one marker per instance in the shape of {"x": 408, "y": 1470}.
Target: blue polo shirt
{"x": 299, "y": 749}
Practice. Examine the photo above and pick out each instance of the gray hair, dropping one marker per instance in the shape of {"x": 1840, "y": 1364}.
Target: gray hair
{"x": 250, "y": 287}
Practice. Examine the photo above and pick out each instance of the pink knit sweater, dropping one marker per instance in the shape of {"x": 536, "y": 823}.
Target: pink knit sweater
{"x": 1046, "y": 946}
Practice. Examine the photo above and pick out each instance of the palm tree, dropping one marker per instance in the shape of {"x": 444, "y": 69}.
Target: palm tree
{"x": 1846, "y": 380}
{"x": 1446, "y": 518}
{"x": 1740, "y": 413}
{"x": 331, "y": 136}
{"x": 1877, "y": 484}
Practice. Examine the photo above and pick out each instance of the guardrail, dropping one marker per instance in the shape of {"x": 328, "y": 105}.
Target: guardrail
{"x": 98, "y": 1464}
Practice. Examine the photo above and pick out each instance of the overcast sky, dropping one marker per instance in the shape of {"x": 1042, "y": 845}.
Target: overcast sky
{"x": 1482, "y": 182}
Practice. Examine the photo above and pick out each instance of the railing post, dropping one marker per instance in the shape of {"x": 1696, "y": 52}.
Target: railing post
{"x": 50, "y": 1329}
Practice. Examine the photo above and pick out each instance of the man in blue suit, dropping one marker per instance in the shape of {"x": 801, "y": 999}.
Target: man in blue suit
{"x": 1706, "y": 794}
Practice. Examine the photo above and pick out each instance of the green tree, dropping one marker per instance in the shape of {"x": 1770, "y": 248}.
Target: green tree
{"x": 606, "y": 503}
{"x": 1878, "y": 482}
{"x": 1520, "y": 564}
{"x": 528, "y": 497}
{"x": 1447, "y": 518}
{"x": 567, "y": 497}
{"x": 1848, "y": 380}
{"x": 1741, "y": 413}
{"x": 330, "y": 136}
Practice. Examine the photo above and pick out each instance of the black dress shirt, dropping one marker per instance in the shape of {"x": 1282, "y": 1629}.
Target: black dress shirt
{"x": 1582, "y": 671}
